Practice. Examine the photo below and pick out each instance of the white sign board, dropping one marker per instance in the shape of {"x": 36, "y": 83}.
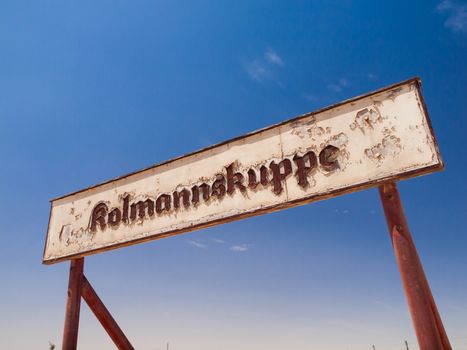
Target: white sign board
{"x": 379, "y": 137}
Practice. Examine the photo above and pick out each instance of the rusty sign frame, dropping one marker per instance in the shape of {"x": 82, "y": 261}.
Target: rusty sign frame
{"x": 426, "y": 319}
{"x": 400, "y": 175}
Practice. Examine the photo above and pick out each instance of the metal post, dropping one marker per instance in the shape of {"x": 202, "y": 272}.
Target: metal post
{"x": 70, "y": 332}
{"x": 425, "y": 317}
{"x": 104, "y": 317}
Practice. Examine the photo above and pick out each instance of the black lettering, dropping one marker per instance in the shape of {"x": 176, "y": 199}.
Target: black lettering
{"x": 195, "y": 192}
{"x": 264, "y": 175}
{"x": 305, "y": 165}
{"x": 126, "y": 206}
{"x": 234, "y": 179}
{"x": 328, "y": 158}
{"x": 278, "y": 176}
{"x": 115, "y": 216}
{"x": 252, "y": 183}
{"x": 185, "y": 195}
{"x": 218, "y": 187}
{"x": 139, "y": 208}
{"x": 205, "y": 188}
{"x": 162, "y": 203}
{"x": 195, "y": 195}
{"x": 98, "y": 216}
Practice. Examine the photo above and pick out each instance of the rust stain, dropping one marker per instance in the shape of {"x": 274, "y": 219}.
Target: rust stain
{"x": 366, "y": 119}
{"x": 394, "y": 93}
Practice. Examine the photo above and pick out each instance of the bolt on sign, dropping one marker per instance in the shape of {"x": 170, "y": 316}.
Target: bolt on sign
{"x": 363, "y": 142}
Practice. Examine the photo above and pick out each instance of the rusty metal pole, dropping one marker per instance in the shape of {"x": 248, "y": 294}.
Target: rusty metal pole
{"x": 425, "y": 317}
{"x": 105, "y": 318}
{"x": 70, "y": 331}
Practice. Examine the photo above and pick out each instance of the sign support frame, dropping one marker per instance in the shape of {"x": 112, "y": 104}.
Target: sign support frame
{"x": 79, "y": 286}
{"x": 108, "y": 204}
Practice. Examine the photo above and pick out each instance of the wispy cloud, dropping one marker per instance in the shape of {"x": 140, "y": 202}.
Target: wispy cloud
{"x": 218, "y": 241}
{"x": 197, "y": 244}
{"x": 241, "y": 247}
{"x": 456, "y": 15}
{"x": 257, "y": 70}
{"x": 262, "y": 68}
{"x": 273, "y": 57}
{"x": 339, "y": 85}
{"x": 310, "y": 97}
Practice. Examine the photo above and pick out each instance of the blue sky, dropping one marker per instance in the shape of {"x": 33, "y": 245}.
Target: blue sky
{"x": 93, "y": 90}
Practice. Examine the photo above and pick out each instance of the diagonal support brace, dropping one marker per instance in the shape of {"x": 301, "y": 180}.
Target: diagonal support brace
{"x": 79, "y": 286}
{"x": 105, "y": 318}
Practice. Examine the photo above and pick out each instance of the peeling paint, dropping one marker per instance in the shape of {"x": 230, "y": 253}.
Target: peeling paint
{"x": 309, "y": 129}
{"x": 340, "y": 140}
{"x": 389, "y": 147}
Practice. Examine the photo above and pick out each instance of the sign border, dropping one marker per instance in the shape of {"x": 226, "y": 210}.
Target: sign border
{"x": 276, "y": 207}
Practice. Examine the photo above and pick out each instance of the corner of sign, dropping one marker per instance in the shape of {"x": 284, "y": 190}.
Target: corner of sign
{"x": 441, "y": 165}
{"x": 45, "y": 261}
{"x": 416, "y": 79}
{"x": 49, "y": 261}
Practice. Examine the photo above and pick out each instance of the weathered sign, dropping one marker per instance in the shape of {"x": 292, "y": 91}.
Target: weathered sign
{"x": 363, "y": 142}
